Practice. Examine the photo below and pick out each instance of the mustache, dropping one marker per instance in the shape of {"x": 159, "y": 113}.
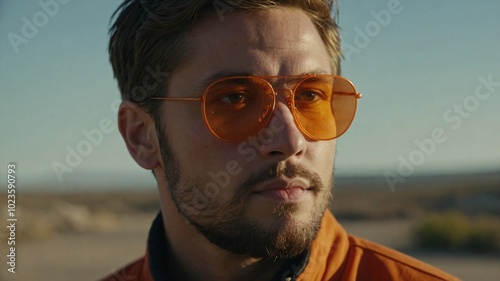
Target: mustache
{"x": 276, "y": 170}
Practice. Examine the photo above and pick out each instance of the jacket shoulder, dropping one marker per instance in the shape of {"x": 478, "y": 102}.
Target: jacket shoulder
{"x": 376, "y": 262}
{"x": 134, "y": 271}
{"x": 337, "y": 256}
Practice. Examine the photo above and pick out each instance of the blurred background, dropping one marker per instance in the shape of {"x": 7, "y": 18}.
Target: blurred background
{"x": 419, "y": 169}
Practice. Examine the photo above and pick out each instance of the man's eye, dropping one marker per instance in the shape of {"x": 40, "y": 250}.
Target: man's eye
{"x": 308, "y": 95}
{"x": 233, "y": 98}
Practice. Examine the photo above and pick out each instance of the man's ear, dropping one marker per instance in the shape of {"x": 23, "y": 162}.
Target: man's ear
{"x": 139, "y": 133}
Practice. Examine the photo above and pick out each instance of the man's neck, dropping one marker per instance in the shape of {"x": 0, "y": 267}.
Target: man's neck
{"x": 194, "y": 267}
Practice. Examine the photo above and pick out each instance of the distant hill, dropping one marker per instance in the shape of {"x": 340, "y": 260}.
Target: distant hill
{"x": 477, "y": 179}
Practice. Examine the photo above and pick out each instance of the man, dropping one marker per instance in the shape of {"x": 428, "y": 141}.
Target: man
{"x": 244, "y": 180}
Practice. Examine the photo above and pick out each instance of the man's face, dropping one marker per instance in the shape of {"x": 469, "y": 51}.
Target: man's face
{"x": 264, "y": 197}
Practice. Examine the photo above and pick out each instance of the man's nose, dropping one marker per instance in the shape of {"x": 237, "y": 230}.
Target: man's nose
{"x": 281, "y": 138}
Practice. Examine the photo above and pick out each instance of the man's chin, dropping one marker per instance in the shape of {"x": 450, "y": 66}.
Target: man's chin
{"x": 290, "y": 230}
{"x": 291, "y": 236}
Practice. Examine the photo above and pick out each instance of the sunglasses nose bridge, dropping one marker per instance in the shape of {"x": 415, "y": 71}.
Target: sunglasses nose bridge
{"x": 287, "y": 97}
{"x": 286, "y": 93}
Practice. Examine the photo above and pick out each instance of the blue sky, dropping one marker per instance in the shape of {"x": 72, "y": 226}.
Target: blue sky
{"x": 422, "y": 66}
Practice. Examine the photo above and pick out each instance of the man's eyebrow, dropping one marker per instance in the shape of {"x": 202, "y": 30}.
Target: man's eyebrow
{"x": 317, "y": 71}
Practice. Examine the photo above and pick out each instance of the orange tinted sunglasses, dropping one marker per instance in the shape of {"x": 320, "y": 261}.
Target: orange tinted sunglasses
{"x": 237, "y": 107}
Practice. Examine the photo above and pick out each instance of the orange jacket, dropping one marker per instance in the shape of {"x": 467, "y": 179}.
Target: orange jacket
{"x": 333, "y": 256}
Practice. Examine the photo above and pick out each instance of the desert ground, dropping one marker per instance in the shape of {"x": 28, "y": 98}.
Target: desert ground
{"x": 87, "y": 236}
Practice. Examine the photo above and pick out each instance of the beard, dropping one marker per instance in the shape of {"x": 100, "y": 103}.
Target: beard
{"x": 225, "y": 223}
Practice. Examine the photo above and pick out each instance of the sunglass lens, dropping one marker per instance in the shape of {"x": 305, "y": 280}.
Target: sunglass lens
{"x": 238, "y": 107}
{"x": 324, "y": 106}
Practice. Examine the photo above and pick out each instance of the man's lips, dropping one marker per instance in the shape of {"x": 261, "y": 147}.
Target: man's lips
{"x": 283, "y": 189}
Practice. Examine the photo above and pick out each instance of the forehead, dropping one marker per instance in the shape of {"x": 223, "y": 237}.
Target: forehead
{"x": 275, "y": 41}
